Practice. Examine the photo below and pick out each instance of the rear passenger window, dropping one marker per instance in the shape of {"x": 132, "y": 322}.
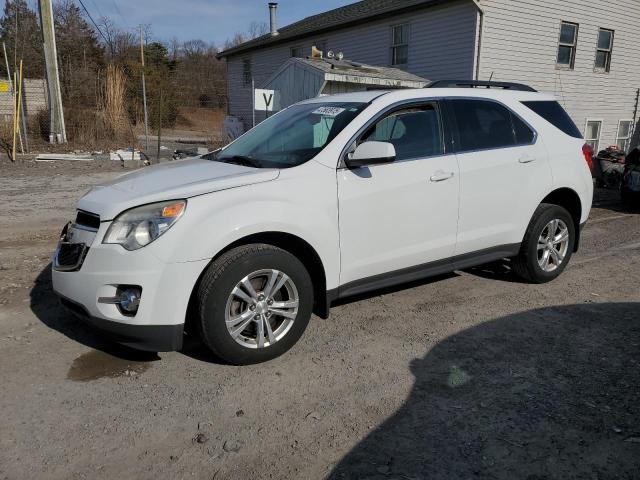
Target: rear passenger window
{"x": 414, "y": 132}
{"x": 484, "y": 125}
{"x": 524, "y": 134}
{"x": 553, "y": 113}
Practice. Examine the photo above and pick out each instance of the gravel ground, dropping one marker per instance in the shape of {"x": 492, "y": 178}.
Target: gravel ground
{"x": 471, "y": 375}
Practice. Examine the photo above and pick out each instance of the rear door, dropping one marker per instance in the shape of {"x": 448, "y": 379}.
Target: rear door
{"x": 503, "y": 171}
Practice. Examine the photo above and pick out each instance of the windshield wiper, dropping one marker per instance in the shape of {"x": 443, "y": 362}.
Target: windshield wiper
{"x": 241, "y": 160}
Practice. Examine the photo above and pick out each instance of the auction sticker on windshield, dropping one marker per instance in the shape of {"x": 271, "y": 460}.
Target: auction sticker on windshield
{"x": 329, "y": 111}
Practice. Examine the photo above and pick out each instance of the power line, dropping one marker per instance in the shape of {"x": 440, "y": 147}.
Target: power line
{"x": 115, "y": 5}
{"x": 94, "y": 23}
{"x": 97, "y": 8}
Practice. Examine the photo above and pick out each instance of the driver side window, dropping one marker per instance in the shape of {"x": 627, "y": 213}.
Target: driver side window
{"x": 414, "y": 132}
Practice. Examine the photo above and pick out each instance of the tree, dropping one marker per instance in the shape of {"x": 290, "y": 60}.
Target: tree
{"x": 257, "y": 29}
{"x": 28, "y": 38}
{"x": 201, "y": 75}
{"x": 157, "y": 55}
{"x": 121, "y": 46}
{"x": 79, "y": 54}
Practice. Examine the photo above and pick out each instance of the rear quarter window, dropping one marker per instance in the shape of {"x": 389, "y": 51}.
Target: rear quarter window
{"x": 553, "y": 113}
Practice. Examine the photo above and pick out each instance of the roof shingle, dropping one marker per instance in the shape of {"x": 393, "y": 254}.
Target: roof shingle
{"x": 338, "y": 18}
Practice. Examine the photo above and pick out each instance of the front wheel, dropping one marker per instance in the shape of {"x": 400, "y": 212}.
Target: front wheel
{"x": 254, "y": 303}
{"x": 547, "y": 245}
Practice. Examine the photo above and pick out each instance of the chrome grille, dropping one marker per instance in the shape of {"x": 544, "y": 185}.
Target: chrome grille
{"x": 70, "y": 254}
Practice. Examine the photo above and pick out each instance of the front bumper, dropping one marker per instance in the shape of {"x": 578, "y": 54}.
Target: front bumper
{"x": 166, "y": 289}
{"x": 152, "y": 338}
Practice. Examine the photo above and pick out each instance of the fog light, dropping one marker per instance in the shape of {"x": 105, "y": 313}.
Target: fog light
{"x": 129, "y": 300}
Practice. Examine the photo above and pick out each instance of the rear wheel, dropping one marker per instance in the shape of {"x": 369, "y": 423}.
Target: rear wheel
{"x": 547, "y": 245}
{"x": 254, "y": 303}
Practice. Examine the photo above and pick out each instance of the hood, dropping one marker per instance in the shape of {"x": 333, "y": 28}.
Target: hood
{"x": 169, "y": 181}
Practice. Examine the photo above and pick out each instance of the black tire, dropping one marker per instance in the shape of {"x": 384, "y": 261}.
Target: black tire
{"x": 217, "y": 284}
{"x": 525, "y": 264}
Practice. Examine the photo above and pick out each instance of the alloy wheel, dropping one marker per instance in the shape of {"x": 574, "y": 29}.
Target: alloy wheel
{"x": 553, "y": 245}
{"x": 261, "y": 308}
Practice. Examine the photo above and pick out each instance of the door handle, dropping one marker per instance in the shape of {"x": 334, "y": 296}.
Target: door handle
{"x": 526, "y": 159}
{"x": 440, "y": 176}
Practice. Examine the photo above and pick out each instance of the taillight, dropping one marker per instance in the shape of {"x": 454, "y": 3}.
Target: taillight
{"x": 587, "y": 151}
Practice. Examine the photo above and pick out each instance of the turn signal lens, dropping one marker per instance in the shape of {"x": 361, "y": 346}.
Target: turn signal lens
{"x": 172, "y": 211}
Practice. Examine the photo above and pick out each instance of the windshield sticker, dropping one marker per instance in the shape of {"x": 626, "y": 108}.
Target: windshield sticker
{"x": 328, "y": 111}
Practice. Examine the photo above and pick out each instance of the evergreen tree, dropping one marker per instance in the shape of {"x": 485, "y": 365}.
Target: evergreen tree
{"x": 28, "y": 39}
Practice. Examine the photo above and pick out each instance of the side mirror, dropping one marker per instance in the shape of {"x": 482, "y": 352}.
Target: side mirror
{"x": 371, "y": 153}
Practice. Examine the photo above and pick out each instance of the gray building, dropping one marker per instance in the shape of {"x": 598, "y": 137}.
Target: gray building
{"x": 585, "y": 53}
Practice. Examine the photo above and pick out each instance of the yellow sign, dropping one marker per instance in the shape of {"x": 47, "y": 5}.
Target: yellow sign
{"x": 4, "y": 87}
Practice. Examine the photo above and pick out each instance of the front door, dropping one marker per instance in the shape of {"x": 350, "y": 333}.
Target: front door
{"x": 402, "y": 214}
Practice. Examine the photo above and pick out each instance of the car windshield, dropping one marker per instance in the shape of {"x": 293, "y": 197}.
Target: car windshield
{"x": 292, "y": 137}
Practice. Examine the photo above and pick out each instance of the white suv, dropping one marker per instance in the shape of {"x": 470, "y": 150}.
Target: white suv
{"x": 329, "y": 198}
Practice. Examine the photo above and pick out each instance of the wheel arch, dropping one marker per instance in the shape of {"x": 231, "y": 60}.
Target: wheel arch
{"x": 291, "y": 243}
{"x": 569, "y": 200}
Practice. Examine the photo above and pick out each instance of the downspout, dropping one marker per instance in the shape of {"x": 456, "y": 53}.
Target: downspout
{"x": 479, "y": 39}
{"x": 635, "y": 136}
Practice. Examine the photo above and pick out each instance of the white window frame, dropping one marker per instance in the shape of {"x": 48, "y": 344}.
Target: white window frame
{"x": 627, "y": 139}
{"x": 596, "y": 148}
{"x": 573, "y": 46}
{"x": 394, "y": 45}
{"x": 607, "y": 51}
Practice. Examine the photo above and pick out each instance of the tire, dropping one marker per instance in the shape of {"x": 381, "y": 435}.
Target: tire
{"x": 526, "y": 264}
{"x": 222, "y": 297}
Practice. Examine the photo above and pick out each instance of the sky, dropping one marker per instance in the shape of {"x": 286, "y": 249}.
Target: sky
{"x": 213, "y": 21}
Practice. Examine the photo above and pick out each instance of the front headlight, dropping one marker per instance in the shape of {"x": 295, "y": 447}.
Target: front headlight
{"x": 140, "y": 226}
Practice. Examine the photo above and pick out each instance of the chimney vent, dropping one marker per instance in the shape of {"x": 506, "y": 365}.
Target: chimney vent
{"x": 273, "y": 7}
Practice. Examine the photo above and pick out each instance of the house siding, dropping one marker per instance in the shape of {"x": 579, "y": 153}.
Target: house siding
{"x": 441, "y": 45}
{"x": 520, "y": 42}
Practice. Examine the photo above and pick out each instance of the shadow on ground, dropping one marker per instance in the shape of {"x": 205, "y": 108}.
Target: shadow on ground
{"x": 46, "y": 306}
{"x": 549, "y": 393}
{"x": 609, "y": 199}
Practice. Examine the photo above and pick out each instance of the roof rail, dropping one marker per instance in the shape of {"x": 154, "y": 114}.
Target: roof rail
{"x": 480, "y": 84}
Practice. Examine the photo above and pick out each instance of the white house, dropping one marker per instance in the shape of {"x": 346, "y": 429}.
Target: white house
{"x": 586, "y": 53}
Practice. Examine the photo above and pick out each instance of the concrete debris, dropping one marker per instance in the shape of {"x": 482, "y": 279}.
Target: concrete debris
{"x": 52, "y": 157}
{"x": 125, "y": 154}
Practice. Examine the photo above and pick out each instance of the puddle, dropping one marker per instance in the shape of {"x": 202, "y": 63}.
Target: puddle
{"x": 96, "y": 364}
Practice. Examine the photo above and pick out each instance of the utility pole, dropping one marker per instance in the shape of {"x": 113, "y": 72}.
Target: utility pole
{"x": 57, "y": 132}
{"x": 144, "y": 94}
{"x": 159, "y": 127}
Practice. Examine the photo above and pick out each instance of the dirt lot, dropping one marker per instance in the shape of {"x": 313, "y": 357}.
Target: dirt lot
{"x": 472, "y": 375}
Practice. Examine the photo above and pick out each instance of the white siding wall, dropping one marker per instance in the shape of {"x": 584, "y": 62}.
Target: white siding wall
{"x": 520, "y": 42}
{"x": 441, "y": 45}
